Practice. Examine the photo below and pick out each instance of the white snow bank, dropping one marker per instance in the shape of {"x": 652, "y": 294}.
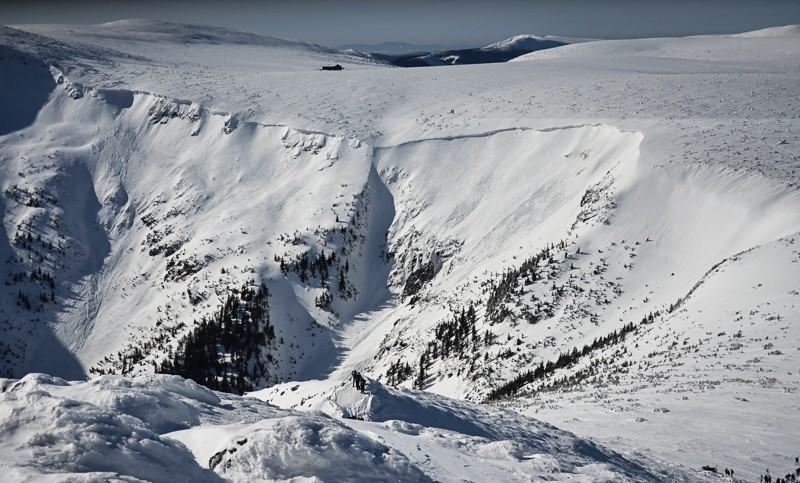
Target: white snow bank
{"x": 48, "y": 434}
{"x": 164, "y": 403}
{"x": 484, "y": 435}
{"x": 112, "y": 428}
{"x": 310, "y": 446}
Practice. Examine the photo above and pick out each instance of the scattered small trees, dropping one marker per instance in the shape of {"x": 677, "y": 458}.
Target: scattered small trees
{"x": 564, "y": 360}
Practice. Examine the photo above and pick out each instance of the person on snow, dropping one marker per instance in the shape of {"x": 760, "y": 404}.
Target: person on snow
{"x": 362, "y": 384}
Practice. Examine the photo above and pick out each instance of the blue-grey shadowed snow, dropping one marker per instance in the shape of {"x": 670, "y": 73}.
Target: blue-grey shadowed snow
{"x": 58, "y": 360}
{"x": 80, "y": 206}
{"x": 372, "y": 284}
{"x": 324, "y": 360}
{"x": 122, "y": 99}
{"x": 25, "y": 86}
{"x": 80, "y": 218}
{"x": 51, "y": 357}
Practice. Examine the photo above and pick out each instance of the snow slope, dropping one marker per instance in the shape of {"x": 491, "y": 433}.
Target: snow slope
{"x": 149, "y": 173}
{"x": 164, "y": 428}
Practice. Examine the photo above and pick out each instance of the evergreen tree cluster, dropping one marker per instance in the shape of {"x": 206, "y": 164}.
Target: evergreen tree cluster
{"x": 37, "y": 254}
{"x": 34, "y": 197}
{"x": 422, "y": 372}
{"x": 224, "y": 352}
{"x": 23, "y": 300}
{"x": 417, "y": 279}
{"x": 454, "y": 338}
{"x": 9, "y": 356}
{"x": 43, "y": 279}
{"x": 398, "y": 373}
{"x": 678, "y": 303}
{"x": 179, "y": 269}
{"x": 565, "y": 359}
{"x": 502, "y": 291}
{"x": 25, "y": 240}
{"x": 330, "y": 270}
{"x": 310, "y": 267}
{"x": 38, "y": 275}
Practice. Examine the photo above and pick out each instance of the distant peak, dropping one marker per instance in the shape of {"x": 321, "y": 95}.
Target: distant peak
{"x": 529, "y": 42}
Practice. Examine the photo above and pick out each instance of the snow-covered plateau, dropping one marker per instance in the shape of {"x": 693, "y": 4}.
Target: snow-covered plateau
{"x": 580, "y": 265}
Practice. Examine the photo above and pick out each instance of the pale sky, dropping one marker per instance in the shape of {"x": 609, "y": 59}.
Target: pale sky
{"x": 445, "y": 22}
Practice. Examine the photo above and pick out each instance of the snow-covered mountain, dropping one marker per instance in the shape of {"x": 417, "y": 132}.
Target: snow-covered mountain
{"x": 601, "y": 236}
{"x": 502, "y": 51}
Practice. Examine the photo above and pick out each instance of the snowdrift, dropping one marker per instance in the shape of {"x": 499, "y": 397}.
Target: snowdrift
{"x": 500, "y": 444}
{"x": 164, "y": 428}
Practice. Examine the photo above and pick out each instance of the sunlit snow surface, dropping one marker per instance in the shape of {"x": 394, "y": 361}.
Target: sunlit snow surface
{"x": 164, "y": 428}
{"x": 236, "y": 149}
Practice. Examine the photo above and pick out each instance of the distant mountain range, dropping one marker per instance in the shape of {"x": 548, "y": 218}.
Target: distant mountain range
{"x": 408, "y": 55}
{"x": 399, "y": 48}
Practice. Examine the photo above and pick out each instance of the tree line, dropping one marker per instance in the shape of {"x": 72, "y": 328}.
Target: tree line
{"x": 565, "y": 359}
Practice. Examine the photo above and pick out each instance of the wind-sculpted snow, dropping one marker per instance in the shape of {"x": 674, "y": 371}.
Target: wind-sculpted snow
{"x": 114, "y": 428}
{"x": 310, "y": 446}
{"x": 49, "y": 434}
{"x": 128, "y": 429}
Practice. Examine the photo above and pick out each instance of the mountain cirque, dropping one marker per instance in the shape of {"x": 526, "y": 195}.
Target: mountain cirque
{"x": 604, "y": 234}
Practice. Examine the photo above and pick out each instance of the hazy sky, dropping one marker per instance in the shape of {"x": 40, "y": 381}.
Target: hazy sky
{"x": 445, "y": 22}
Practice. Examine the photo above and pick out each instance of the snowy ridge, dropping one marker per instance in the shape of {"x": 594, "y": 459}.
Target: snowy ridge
{"x": 784, "y": 31}
{"x": 125, "y": 32}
